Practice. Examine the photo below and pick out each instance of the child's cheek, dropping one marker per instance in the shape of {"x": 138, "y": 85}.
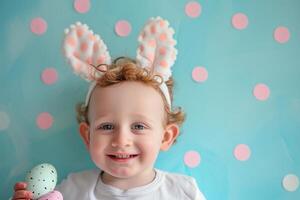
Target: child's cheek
{"x": 96, "y": 144}
{"x": 96, "y": 151}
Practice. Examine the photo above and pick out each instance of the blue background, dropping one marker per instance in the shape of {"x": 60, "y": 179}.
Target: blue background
{"x": 221, "y": 112}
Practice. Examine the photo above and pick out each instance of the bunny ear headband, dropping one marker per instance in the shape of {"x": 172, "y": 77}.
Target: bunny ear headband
{"x": 87, "y": 53}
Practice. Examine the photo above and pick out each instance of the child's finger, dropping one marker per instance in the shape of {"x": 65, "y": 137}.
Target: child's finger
{"x": 23, "y": 194}
{"x": 20, "y": 186}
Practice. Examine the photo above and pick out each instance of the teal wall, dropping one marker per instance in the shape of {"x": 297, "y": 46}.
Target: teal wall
{"x": 237, "y": 144}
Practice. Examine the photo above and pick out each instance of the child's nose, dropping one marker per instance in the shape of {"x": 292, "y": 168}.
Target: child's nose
{"x": 121, "y": 139}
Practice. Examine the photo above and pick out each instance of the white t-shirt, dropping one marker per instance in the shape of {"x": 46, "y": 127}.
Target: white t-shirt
{"x": 88, "y": 185}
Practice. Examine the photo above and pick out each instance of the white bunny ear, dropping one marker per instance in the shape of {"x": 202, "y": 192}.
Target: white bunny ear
{"x": 156, "y": 47}
{"x": 83, "y": 50}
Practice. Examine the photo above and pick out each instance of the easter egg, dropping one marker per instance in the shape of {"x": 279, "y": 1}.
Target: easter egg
{"x": 54, "y": 195}
{"x": 41, "y": 179}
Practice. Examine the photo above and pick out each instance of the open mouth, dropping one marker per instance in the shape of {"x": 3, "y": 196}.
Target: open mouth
{"x": 122, "y": 157}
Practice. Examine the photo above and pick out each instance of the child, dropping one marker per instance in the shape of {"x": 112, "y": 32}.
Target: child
{"x": 126, "y": 120}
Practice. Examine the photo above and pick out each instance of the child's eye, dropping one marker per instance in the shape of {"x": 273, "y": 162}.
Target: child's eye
{"x": 138, "y": 126}
{"x": 106, "y": 127}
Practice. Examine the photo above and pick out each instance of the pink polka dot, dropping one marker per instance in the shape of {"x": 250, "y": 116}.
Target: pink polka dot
{"x": 162, "y": 50}
{"x": 96, "y": 47}
{"x": 200, "y": 74}
{"x": 79, "y": 31}
{"x": 239, "y": 21}
{"x": 49, "y": 76}
{"x": 193, "y": 9}
{"x": 153, "y": 29}
{"x": 44, "y": 120}
{"x": 192, "y": 159}
{"x": 242, "y": 152}
{"x": 71, "y": 41}
{"x": 82, "y": 6}
{"x": 261, "y": 92}
{"x": 163, "y": 36}
{"x": 38, "y": 26}
{"x": 163, "y": 63}
{"x": 281, "y": 34}
{"x": 123, "y": 28}
{"x": 84, "y": 46}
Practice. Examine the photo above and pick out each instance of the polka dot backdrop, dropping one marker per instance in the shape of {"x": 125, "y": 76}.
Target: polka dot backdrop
{"x": 237, "y": 77}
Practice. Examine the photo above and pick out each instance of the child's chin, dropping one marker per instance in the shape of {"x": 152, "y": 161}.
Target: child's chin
{"x": 123, "y": 173}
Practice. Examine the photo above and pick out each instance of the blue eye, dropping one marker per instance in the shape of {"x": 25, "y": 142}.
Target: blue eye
{"x": 106, "y": 127}
{"x": 138, "y": 127}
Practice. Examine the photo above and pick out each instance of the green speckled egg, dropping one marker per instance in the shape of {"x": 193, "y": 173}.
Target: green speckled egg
{"x": 41, "y": 179}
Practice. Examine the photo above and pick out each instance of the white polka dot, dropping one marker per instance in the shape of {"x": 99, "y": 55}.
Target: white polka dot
{"x": 4, "y": 121}
{"x": 290, "y": 182}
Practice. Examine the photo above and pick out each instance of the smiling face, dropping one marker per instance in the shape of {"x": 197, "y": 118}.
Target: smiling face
{"x": 127, "y": 130}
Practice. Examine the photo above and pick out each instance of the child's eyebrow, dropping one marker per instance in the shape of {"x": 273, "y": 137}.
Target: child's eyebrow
{"x": 141, "y": 116}
{"x": 104, "y": 116}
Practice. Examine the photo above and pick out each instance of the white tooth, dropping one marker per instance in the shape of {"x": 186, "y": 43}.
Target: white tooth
{"x": 122, "y": 156}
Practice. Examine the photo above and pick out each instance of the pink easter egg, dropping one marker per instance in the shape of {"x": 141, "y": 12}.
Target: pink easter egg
{"x": 54, "y": 195}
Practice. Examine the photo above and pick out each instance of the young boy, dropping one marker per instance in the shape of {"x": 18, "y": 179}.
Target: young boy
{"x": 126, "y": 120}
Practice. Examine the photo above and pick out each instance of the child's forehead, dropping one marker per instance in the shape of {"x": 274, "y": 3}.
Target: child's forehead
{"x": 126, "y": 95}
{"x": 128, "y": 88}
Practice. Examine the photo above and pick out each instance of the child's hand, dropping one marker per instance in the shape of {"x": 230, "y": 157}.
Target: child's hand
{"x": 21, "y": 192}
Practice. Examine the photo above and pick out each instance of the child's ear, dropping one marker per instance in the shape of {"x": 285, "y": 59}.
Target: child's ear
{"x": 84, "y": 130}
{"x": 170, "y": 134}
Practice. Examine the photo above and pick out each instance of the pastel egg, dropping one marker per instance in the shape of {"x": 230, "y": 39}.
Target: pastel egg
{"x": 41, "y": 179}
{"x": 54, "y": 195}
